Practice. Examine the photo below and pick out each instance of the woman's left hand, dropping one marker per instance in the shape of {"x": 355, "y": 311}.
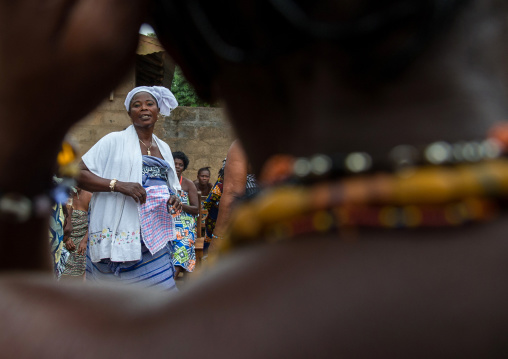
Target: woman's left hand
{"x": 69, "y": 244}
{"x": 174, "y": 202}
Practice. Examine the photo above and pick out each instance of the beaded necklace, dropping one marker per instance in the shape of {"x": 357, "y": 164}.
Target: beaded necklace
{"x": 454, "y": 191}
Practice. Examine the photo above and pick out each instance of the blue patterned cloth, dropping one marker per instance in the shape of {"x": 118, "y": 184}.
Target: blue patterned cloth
{"x": 184, "y": 254}
{"x": 155, "y": 171}
{"x": 59, "y": 254}
{"x": 151, "y": 271}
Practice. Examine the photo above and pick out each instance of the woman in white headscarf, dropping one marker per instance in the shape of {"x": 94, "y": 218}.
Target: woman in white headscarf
{"x": 133, "y": 179}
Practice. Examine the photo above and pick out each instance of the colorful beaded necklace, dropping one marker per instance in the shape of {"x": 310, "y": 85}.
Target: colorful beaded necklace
{"x": 452, "y": 191}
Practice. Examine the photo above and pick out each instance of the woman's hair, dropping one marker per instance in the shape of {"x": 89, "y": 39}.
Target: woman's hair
{"x": 367, "y": 32}
{"x": 204, "y": 169}
{"x": 181, "y": 156}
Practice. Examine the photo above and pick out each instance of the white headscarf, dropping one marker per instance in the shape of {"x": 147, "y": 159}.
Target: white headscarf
{"x": 165, "y": 99}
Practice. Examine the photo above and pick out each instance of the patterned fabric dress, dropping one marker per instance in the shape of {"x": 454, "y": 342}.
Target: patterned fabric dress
{"x": 212, "y": 205}
{"x": 213, "y": 200}
{"x": 152, "y": 270}
{"x": 59, "y": 253}
{"x": 184, "y": 254}
{"x": 76, "y": 263}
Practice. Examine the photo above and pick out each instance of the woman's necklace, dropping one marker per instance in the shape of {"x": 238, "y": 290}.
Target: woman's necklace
{"x": 147, "y": 148}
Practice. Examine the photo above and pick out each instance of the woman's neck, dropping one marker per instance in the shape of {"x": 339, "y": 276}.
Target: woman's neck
{"x": 393, "y": 118}
{"x": 444, "y": 96}
{"x": 419, "y": 111}
{"x": 145, "y": 134}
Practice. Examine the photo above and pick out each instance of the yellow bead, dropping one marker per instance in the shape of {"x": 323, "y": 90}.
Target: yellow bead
{"x": 244, "y": 223}
{"x": 282, "y": 204}
{"x": 428, "y": 185}
{"x": 66, "y": 155}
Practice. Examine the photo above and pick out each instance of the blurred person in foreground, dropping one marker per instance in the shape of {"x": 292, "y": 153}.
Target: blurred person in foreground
{"x": 234, "y": 182}
{"x": 340, "y": 85}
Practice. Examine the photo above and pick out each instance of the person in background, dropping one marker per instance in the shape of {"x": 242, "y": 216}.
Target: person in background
{"x": 60, "y": 228}
{"x": 78, "y": 239}
{"x": 184, "y": 254}
{"x": 211, "y": 204}
{"x": 202, "y": 182}
{"x": 203, "y": 186}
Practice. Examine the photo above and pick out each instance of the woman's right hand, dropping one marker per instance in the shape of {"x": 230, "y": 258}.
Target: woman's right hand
{"x": 82, "y": 245}
{"x": 131, "y": 189}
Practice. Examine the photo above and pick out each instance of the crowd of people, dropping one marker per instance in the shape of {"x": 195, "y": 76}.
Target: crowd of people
{"x": 372, "y": 127}
{"x": 158, "y": 248}
{"x": 131, "y": 227}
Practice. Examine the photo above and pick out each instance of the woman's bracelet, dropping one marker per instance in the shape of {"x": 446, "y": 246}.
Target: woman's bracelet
{"x": 112, "y": 184}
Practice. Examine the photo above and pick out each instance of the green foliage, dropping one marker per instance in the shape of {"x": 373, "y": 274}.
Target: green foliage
{"x": 184, "y": 92}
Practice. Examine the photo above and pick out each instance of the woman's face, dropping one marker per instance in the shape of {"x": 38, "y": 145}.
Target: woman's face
{"x": 204, "y": 178}
{"x": 143, "y": 110}
{"x": 179, "y": 165}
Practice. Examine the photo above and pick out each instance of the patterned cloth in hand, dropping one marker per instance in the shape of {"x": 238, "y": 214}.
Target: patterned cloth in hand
{"x": 155, "y": 211}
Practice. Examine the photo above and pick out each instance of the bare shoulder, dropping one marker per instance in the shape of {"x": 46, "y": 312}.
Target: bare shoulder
{"x": 187, "y": 184}
{"x": 82, "y": 202}
{"x": 87, "y": 196}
